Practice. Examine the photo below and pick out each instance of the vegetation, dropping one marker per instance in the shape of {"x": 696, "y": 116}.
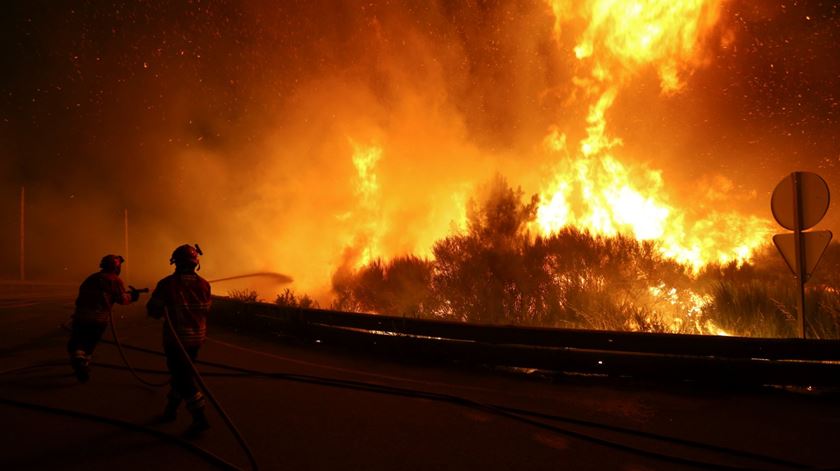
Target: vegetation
{"x": 244, "y": 296}
{"x": 497, "y": 272}
{"x": 289, "y": 299}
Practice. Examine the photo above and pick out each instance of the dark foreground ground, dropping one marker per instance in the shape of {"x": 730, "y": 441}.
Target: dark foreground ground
{"x": 331, "y": 412}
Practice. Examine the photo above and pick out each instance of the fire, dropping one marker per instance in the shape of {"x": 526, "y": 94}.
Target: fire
{"x": 602, "y": 195}
{"x": 683, "y": 310}
{"x": 367, "y": 217}
{"x": 623, "y": 36}
{"x": 591, "y": 188}
{"x": 364, "y": 160}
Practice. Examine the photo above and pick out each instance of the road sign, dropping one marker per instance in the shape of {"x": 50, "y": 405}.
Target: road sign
{"x": 813, "y": 200}
{"x": 813, "y": 246}
{"x": 800, "y": 201}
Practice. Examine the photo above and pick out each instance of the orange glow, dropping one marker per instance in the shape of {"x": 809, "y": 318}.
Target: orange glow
{"x": 402, "y": 157}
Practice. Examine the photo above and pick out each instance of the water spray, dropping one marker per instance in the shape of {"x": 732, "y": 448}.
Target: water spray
{"x": 276, "y": 277}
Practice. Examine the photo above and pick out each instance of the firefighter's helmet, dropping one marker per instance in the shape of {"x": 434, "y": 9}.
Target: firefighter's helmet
{"x": 111, "y": 263}
{"x": 185, "y": 255}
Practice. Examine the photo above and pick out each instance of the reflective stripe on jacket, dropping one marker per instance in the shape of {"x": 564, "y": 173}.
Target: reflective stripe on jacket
{"x": 186, "y": 299}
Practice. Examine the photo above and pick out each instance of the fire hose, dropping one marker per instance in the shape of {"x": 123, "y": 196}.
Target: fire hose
{"x": 239, "y": 438}
{"x": 201, "y": 384}
{"x": 529, "y": 417}
{"x": 122, "y": 352}
{"x": 277, "y": 277}
{"x": 205, "y": 454}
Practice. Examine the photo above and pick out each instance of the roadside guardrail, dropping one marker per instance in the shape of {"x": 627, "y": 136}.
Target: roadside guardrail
{"x": 637, "y": 354}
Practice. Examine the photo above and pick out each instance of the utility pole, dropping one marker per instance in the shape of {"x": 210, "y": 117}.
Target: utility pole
{"x": 22, "y": 233}
{"x": 125, "y": 247}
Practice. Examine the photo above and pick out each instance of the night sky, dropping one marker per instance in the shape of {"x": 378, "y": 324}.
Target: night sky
{"x": 227, "y": 122}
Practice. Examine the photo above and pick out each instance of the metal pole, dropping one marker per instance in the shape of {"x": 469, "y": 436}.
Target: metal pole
{"x": 799, "y": 252}
{"x": 22, "y": 233}
{"x": 125, "y": 248}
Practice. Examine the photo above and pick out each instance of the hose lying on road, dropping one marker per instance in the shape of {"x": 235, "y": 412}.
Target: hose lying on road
{"x": 205, "y": 454}
{"x": 525, "y": 416}
{"x": 521, "y": 415}
{"x": 44, "y": 364}
{"x": 512, "y": 413}
{"x": 225, "y": 417}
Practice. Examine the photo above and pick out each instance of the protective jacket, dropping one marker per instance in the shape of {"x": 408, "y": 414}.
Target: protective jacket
{"x": 185, "y": 297}
{"x": 97, "y": 295}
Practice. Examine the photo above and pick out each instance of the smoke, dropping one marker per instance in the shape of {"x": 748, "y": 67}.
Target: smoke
{"x": 233, "y": 124}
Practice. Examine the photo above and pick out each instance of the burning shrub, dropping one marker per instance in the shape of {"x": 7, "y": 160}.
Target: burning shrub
{"x": 759, "y": 299}
{"x": 822, "y": 319}
{"x": 753, "y": 308}
{"x": 402, "y": 286}
{"x": 481, "y": 275}
{"x": 497, "y": 272}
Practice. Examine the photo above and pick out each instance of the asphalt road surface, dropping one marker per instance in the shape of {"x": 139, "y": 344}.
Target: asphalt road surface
{"x": 327, "y": 408}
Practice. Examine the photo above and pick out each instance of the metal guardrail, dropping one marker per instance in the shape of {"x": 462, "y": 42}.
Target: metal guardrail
{"x": 676, "y": 356}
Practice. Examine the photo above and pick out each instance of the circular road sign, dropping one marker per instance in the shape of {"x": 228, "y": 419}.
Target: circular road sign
{"x": 813, "y": 200}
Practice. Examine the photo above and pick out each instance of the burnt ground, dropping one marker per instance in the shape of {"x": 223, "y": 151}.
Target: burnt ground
{"x": 336, "y": 409}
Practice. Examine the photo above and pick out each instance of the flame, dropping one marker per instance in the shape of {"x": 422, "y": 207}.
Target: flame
{"x": 591, "y": 188}
{"x": 365, "y": 159}
{"x": 369, "y": 225}
{"x": 682, "y": 310}
{"x": 591, "y": 185}
{"x": 623, "y": 36}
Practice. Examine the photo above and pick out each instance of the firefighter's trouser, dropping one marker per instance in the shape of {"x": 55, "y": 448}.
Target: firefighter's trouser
{"x": 83, "y": 340}
{"x": 183, "y": 385}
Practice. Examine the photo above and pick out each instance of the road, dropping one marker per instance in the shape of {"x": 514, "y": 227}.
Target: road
{"x": 327, "y": 408}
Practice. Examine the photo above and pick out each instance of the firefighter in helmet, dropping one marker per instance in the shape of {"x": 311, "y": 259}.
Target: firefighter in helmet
{"x": 97, "y": 295}
{"x": 184, "y": 298}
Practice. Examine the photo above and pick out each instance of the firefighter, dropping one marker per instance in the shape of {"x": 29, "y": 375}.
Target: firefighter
{"x": 97, "y": 295}
{"x": 184, "y": 297}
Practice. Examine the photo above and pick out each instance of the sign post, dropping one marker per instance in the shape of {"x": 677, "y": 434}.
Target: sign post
{"x": 797, "y": 247}
{"x": 125, "y": 246}
{"x": 22, "y": 233}
{"x": 798, "y": 203}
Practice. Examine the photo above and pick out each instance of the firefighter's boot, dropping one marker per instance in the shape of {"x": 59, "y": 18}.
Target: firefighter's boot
{"x": 81, "y": 365}
{"x": 170, "y": 412}
{"x": 199, "y": 423}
